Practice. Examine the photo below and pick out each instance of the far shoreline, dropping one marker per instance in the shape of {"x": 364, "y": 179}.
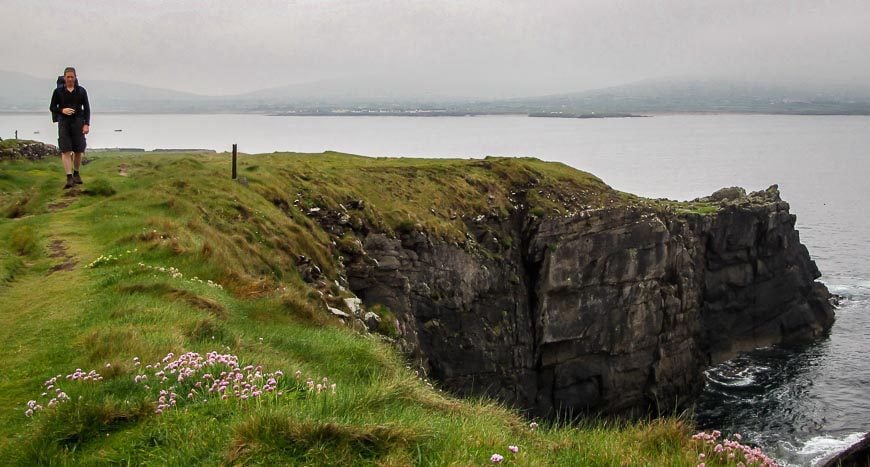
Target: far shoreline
{"x": 584, "y": 116}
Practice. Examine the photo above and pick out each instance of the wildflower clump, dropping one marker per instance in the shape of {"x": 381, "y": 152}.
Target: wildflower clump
{"x": 498, "y": 458}
{"x": 725, "y": 451}
{"x": 103, "y": 259}
{"x": 194, "y": 378}
{"x": 200, "y": 378}
{"x": 174, "y": 273}
{"x": 55, "y": 394}
{"x": 110, "y": 258}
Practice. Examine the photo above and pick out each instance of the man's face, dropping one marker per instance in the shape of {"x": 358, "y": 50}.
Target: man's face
{"x": 69, "y": 78}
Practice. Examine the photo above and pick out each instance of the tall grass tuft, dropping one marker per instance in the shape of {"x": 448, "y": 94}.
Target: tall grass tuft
{"x": 316, "y": 442}
{"x": 23, "y": 240}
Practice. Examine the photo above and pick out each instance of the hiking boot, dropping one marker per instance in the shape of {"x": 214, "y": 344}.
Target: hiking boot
{"x": 69, "y": 182}
{"x": 77, "y": 179}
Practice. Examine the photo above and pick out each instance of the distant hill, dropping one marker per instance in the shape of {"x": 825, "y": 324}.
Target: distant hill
{"x": 698, "y": 96}
{"x": 347, "y": 91}
{"x": 23, "y": 92}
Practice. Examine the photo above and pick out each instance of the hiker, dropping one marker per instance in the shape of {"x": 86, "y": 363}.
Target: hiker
{"x": 70, "y": 108}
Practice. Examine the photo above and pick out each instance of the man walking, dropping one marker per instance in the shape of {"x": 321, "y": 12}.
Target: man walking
{"x": 70, "y": 108}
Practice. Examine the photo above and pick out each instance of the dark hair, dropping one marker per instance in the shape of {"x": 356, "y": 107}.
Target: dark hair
{"x": 69, "y": 69}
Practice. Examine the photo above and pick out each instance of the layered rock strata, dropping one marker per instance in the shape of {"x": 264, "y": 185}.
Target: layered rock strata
{"x": 609, "y": 310}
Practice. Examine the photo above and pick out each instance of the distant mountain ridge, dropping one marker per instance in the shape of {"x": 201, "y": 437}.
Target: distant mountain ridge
{"x": 25, "y": 93}
{"x": 681, "y": 95}
{"x": 22, "y": 92}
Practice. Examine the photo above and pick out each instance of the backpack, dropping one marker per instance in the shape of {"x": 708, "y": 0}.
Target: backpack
{"x": 61, "y": 83}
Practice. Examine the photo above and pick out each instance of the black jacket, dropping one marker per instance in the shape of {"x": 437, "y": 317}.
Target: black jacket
{"x": 77, "y": 99}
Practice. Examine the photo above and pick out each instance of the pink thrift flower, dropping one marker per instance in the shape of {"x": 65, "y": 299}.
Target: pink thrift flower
{"x": 513, "y": 449}
{"x": 533, "y": 425}
{"x": 496, "y": 458}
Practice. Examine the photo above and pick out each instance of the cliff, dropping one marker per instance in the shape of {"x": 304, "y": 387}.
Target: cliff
{"x": 526, "y": 280}
{"x": 612, "y": 308}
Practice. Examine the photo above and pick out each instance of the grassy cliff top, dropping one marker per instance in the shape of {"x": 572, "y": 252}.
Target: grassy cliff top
{"x": 14, "y": 143}
{"x": 162, "y": 254}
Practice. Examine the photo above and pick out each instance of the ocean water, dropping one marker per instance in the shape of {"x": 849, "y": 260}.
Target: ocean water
{"x": 799, "y": 403}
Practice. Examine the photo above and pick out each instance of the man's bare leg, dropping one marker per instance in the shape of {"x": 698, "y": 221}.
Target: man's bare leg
{"x": 77, "y": 163}
{"x": 67, "y": 158}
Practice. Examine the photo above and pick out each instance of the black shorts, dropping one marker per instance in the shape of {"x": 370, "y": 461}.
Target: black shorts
{"x": 70, "y": 136}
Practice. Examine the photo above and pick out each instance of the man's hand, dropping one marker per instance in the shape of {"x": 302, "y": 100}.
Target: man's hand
{"x": 86, "y": 129}
{"x": 68, "y": 111}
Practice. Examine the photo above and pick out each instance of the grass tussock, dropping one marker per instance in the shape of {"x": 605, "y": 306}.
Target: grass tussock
{"x": 105, "y": 343}
{"x": 15, "y": 206}
{"x": 99, "y": 187}
{"x": 317, "y": 443}
{"x": 23, "y": 240}
{"x": 73, "y": 426}
{"x": 170, "y": 293}
{"x": 210, "y": 331}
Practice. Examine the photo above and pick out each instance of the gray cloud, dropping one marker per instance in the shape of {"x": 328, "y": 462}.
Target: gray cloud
{"x": 487, "y": 48}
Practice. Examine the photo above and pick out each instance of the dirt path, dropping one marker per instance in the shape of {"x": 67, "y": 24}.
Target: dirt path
{"x": 59, "y": 250}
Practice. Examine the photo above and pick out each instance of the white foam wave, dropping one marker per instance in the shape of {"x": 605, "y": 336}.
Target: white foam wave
{"x": 819, "y": 448}
{"x": 851, "y": 293}
{"x": 730, "y": 374}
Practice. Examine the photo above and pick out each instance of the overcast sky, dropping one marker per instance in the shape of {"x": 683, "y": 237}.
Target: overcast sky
{"x": 488, "y": 48}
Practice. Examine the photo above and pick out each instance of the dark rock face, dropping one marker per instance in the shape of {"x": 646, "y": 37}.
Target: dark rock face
{"x": 31, "y": 150}
{"x": 462, "y": 315}
{"x": 618, "y": 311}
{"x": 610, "y": 310}
{"x": 759, "y": 280}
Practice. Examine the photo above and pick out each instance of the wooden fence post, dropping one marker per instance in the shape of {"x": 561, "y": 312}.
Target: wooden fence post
{"x": 235, "y": 148}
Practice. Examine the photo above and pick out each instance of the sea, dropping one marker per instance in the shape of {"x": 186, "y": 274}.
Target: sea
{"x": 799, "y": 403}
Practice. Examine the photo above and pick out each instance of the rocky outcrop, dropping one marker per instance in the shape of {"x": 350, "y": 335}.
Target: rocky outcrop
{"x": 609, "y": 310}
{"x": 759, "y": 282}
{"x": 857, "y": 455}
{"x": 30, "y": 150}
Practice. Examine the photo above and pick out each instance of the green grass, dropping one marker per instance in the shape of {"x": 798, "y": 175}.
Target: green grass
{"x": 12, "y": 143}
{"x": 181, "y": 211}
